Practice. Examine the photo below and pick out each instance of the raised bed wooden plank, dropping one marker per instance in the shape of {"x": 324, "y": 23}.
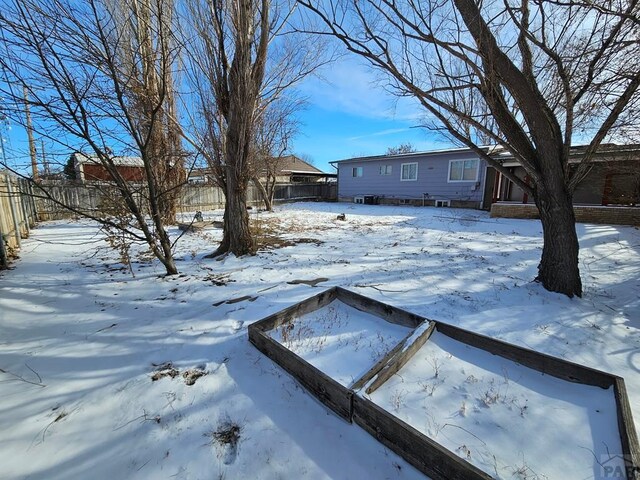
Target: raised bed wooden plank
{"x": 427, "y": 455}
{"x": 335, "y": 396}
{"x": 628, "y": 436}
{"x": 401, "y": 357}
{"x": 419, "y": 450}
{"x": 297, "y": 310}
{"x": 387, "y": 312}
{"x": 380, "y": 364}
{"x": 541, "y": 362}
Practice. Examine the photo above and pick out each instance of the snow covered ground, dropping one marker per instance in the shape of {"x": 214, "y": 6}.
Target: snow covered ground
{"x": 498, "y": 415}
{"x": 81, "y": 339}
{"x": 340, "y": 341}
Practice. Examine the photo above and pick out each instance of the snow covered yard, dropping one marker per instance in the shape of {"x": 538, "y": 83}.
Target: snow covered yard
{"x": 80, "y": 338}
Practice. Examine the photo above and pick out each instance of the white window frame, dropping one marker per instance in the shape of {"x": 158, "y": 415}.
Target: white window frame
{"x": 402, "y": 170}
{"x": 356, "y": 171}
{"x": 477, "y": 160}
{"x": 386, "y": 169}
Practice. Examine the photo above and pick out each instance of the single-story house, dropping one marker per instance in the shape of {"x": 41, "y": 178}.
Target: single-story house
{"x": 454, "y": 178}
{"x": 457, "y": 177}
{"x": 90, "y": 169}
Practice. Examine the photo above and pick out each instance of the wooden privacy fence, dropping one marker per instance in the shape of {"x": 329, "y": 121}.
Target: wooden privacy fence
{"x": 17, "y": 215}
{"x": 95, "y": 198}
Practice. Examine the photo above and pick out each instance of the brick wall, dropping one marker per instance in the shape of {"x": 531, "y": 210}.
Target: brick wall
{"x": 584, "y": 213}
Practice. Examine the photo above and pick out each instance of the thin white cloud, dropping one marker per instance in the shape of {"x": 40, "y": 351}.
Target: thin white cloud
{"x": 352, "y": 87}
{"x": 382, "y": 133}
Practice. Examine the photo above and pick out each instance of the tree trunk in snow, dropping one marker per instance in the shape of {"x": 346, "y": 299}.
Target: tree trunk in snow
{"x": 237, "y": 237}
{"x": 558, "y": 270}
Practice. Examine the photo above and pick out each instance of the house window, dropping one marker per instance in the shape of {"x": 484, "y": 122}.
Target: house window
{"x": 408, "y": 171}
{"x": 385, "y": 169}
{"x": 463, "y": 171}
{"x": 356, "y": 172}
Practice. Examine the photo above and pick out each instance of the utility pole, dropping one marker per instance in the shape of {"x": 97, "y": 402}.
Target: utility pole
{"x": 32, "y": 144}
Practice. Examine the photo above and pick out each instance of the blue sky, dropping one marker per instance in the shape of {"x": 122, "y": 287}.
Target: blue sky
{"x": 349, "y": 114}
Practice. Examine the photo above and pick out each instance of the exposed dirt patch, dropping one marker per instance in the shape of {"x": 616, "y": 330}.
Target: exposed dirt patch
{"x": 269, "y": 234}
{"x": 192, "y": 375}
{"x": 164, "y": 370}
{"x": 167, "y": 369}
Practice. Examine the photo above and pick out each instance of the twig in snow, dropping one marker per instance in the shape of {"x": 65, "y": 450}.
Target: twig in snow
{"x": 34, "y": 372}
{"x": 592, "y": 453}
{"x": 143, "y": 465}
{"x": 60, "y": 416}
{"x": 375, "y": 287}
{"x": 22, "y": 379}
{"x": 268, "y": 288}
{"x": 145, "y": 418}
{"x": 464, "y": 429}
{"x": 106, "y": 328}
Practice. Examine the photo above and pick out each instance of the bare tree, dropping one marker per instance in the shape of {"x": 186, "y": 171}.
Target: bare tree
{"x": 146, "y": 51}
{"x": 99, "y": 79}
{"x": 530, "y": 76}
{"x": 276, "y": 129}
{"x": 243, "y": 57}
{"x": 402, "y": 148}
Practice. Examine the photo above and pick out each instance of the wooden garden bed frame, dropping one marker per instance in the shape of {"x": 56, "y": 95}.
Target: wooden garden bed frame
{"x": 422, "y": 452}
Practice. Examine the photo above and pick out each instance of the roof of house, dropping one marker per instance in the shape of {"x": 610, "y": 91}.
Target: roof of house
{"x": 287, "y": 165}
{"x": 410, "y": 155}
{"x": 293, "y": 164}
{"x": 82, "y": 158}
{"x": 605, "y": 153}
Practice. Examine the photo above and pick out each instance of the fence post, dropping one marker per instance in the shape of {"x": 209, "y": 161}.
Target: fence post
{"x": 32, "y": 202}
{"x": 14, "y": 214}
{"x": 23, "y": 207}
{"x": 4, "y": 261}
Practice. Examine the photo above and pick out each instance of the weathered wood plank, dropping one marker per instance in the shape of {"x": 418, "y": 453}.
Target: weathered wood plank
{"x": 364, "y": 379}
{"x": 541, "y": 362}
{"x": 401, "y": 357}
{"x": 301, "y": 308}
{"x": 422, "y": 452}
{"x": 387, "y": 312}
{"x": 419, "y": 450}
{"x": 335, "y": 396}
{"x": 628, "y": 436}
{"x": 312, "y": 283}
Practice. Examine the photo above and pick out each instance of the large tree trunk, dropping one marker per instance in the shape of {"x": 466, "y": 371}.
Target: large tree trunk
{"x": 240, "y": 241}
{"x": 558, "y": 270}
{"x": 237, "y": 238}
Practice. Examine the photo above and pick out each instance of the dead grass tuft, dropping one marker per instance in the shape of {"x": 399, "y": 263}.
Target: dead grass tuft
{"x": 167, "y": 369}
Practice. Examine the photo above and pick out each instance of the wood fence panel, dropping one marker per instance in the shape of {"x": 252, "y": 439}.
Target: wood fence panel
{"x": 17, "y": 216}
{"x": 91, "y": 198}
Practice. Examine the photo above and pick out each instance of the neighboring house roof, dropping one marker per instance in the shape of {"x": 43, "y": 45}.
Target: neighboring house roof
{"x": 293, "y": 164}
{"x": 82, "y": 158}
